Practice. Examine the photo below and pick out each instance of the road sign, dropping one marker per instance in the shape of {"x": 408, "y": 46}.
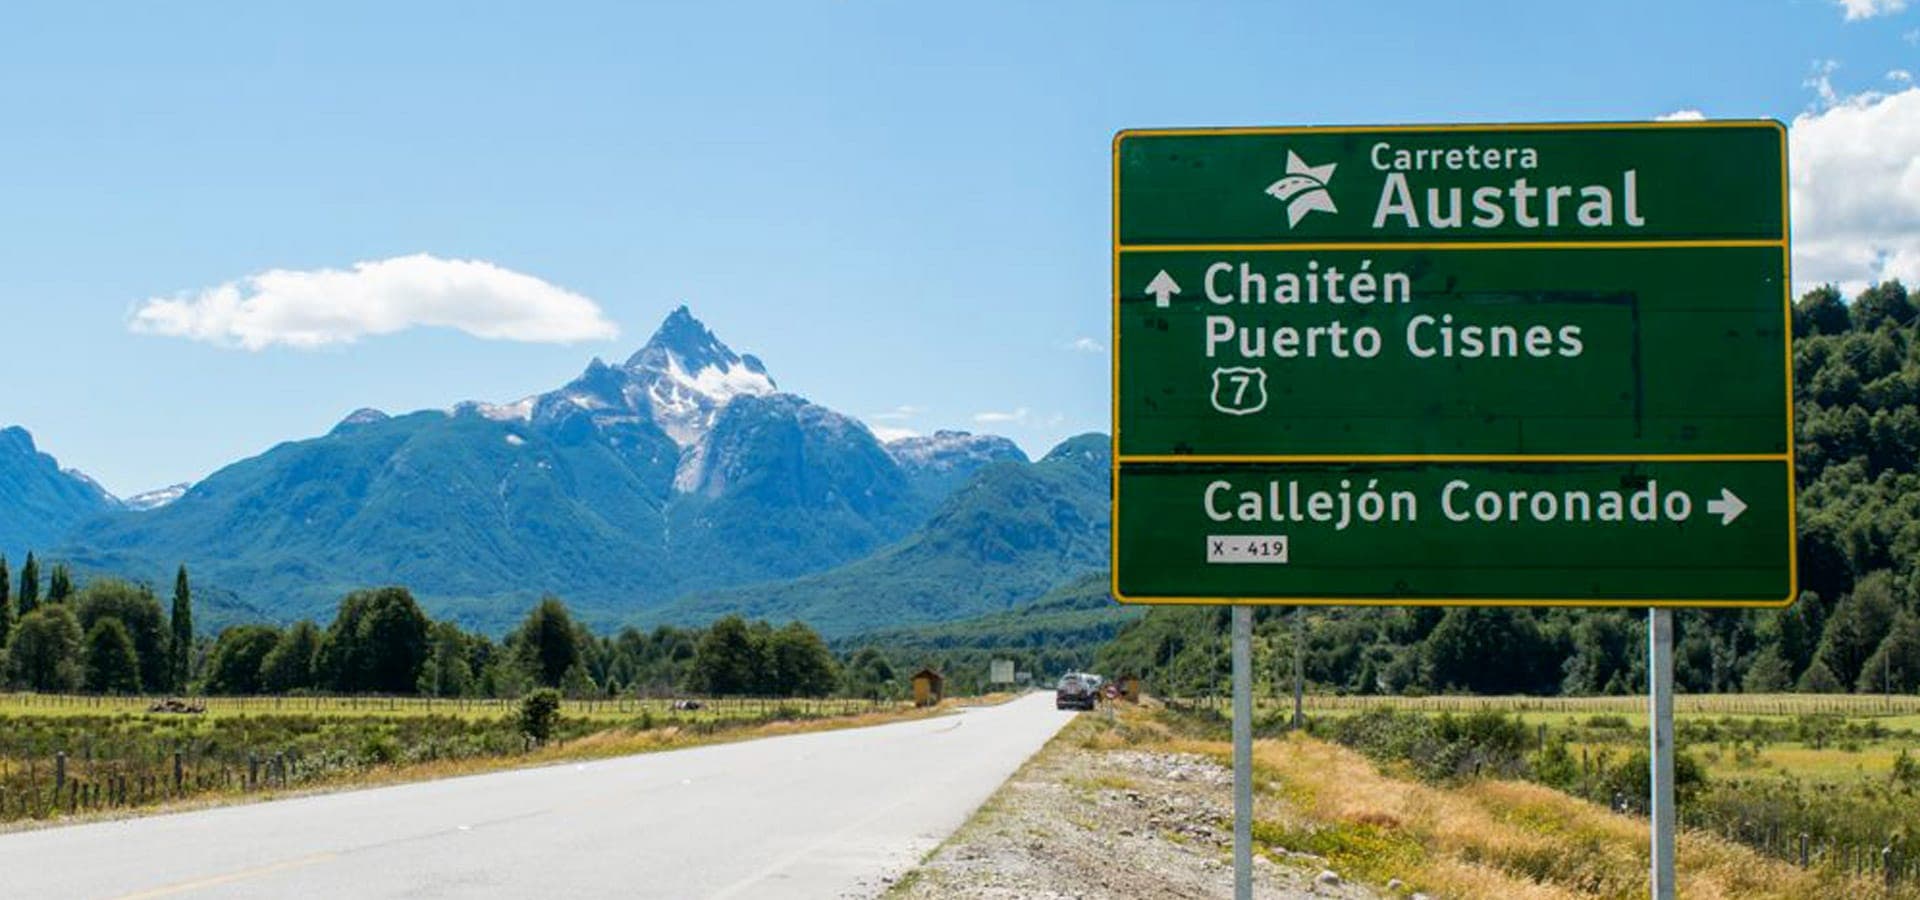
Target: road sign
{"x": 1504, "y": 365}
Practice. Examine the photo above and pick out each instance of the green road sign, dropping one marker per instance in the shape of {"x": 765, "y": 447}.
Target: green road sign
{"x": 1528, "y": 364}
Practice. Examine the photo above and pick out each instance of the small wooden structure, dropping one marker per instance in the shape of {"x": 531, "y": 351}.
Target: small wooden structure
{"x": 928, "y": 687}
{"x": 1130, "y": 688}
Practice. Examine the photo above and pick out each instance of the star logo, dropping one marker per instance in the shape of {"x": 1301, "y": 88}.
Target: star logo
{"x": 1304, "y": 189}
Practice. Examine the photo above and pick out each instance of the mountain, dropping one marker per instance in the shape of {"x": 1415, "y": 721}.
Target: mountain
{"x": 154, "y": 499}
{"x": 1078, "y": 615}
{"x": 945, "y": 460}
{"x": 1013, "y": 532}
{"x": 40, "y": 500}
{"x": 683, "y": 469}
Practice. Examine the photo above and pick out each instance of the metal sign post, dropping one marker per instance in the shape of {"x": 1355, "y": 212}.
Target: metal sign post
{"x": 1243, "y": 753}
{"x": 1660, "y": 731}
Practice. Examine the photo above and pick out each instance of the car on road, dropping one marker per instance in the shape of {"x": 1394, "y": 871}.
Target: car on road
{"x": 1074, "y": 692}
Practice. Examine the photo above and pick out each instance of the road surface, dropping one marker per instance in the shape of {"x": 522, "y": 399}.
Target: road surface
{"x": 829, "y": 814}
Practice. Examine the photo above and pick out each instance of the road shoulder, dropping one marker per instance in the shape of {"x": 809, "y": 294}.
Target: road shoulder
{"x": 1089, "y": 816}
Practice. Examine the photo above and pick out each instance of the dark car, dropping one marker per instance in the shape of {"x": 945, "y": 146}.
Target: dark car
{"x": 1074, "y": 692}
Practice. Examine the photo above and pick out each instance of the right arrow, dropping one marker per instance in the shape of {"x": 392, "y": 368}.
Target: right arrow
{"x": 1728, "y": 507}
{"x": 1162, "y": 287}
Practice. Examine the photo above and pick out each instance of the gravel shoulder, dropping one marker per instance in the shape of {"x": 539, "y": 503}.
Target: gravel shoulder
{"x": 1089, "y": 817}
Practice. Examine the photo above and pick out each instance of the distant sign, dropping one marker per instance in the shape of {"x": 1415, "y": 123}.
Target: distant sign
{"x": 1000, "y": 671}
{"x": 1524, "y": 364}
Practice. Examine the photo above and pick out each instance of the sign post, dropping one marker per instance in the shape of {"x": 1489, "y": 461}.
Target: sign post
{"x": 1660, "y": 811}
{"x": 1243, "y": 752}
{"x": 1474, "y": 365}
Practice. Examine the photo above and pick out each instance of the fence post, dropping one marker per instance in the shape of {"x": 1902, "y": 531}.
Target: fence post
{"x": 1886, "y": 863}
{"x": 59, "y": 774}
{"x": 179, "y": 773}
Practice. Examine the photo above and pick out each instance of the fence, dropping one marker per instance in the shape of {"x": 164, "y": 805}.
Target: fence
{"x": 65, "y": 754}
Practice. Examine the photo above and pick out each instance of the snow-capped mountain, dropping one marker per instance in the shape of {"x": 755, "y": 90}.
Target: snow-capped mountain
{"x": 680, "y": 382}
{"x": 154, "y": 499}
{"x": 683, "y": 468}
{"x": 943, "y": 460}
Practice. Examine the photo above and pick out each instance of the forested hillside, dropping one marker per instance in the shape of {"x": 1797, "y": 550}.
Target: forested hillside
{"x": 1856, "y": 625}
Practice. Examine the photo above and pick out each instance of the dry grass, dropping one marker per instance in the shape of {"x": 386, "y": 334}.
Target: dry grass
{"x": 1492, "y": 839}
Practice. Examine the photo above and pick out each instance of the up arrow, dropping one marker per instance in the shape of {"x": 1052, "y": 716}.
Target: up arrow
{"x": 1728, "y": 507}
{"x": 1162, "y": 287}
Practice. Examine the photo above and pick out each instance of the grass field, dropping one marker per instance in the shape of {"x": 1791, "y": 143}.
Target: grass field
{"x": 1480, "y": 836}
{"x": 64, "y": 755}
{"x": 610, "y": 710}
{"x": 1833, "y": 780}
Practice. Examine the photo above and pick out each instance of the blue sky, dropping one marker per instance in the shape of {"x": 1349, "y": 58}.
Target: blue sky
{"x": 896, "y": 205}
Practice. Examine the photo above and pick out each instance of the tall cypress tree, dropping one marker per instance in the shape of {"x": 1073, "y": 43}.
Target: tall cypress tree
{"x": 181, "y": 652}
{"x": 60, "y": 584}
{"x": 29, "y": 585}
{"x": 6, "y": 601}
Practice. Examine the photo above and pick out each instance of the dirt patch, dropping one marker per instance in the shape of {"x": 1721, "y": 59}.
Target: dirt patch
{"x": 1083, "y": 821}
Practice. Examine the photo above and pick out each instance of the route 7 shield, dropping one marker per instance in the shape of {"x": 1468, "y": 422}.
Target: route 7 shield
{"x": 1239, "y": 390}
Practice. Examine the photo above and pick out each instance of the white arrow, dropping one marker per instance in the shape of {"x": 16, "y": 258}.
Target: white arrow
{"x": 1728, "y": 507}
{"x": 1162, "y": 287}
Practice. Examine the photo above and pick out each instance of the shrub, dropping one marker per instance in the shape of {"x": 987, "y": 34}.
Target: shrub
{"x": 540, "y": 714}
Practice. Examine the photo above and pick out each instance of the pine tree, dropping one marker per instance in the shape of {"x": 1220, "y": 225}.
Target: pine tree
{"x": 180, "y": 653}
{"x": 29, "y": 585}
{"x": 6, "y": 602}
{"x": 60, "y": 585}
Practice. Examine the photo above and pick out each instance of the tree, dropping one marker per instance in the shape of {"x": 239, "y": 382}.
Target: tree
{"x": 6, "y": 601}
{"x": 802, "y": 665}
{"x": 540, "y": 714}
{"x": 1822, "y": 312}
{"x": 44, "y": 653}
{"x": 547, "y": 643}
{"x": 289, "y": 666}
{"x": 576, "y": 683}
{"x": 111, "y": 665}
{"x": 1818, "y": 679}
{"x": 135, "y": 608}
{"x": 1882, "y": 303}
{"x": 180, "y": 651}
{"x": 1769, "y": 673}
{"x": 377, "y": 643}
{"x": 1487, "y": 651}
{"x": 1895, "y": 664}
{"x": 237, "y": 661}
{"x": 727, "y": 659}
{"x": 29, "y": 585}
{"x": 447, "y": 672}
{"x": 1858, "y": 623}
{"x": 60, "y": 585}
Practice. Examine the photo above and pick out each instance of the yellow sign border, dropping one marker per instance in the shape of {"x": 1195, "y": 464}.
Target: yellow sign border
{"x": 1784, "y": 243}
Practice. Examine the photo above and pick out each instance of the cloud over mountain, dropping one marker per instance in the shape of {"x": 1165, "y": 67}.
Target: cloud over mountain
{"x": 306, "y": 309}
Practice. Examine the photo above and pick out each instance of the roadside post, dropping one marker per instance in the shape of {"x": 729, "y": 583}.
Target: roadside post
{"x": 1528, "y": 365}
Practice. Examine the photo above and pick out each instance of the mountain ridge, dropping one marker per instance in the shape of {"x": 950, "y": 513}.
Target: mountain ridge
{"x": 683, "y": 469}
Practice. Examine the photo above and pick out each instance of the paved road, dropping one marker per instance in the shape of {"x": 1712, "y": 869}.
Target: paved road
{"x": 816, "y": 815}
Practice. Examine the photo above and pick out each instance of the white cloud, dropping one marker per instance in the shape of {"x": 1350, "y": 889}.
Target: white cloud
{"x": 1087, "y": 345}
{"x": 1682, "y": 115}
{"x": 1822, "y": 81}
{"x": 888, "y": 435}
{"x": 1856, "y": 191}
{"x": 322, "y": 307}
{"x": 1867, "y": 9}
{"x": 896, "y": 414}
{"x": 996, "y": 418}
{"x": 1900, "y": 76}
